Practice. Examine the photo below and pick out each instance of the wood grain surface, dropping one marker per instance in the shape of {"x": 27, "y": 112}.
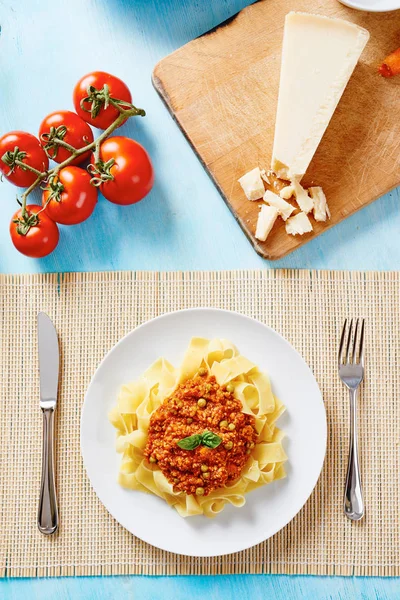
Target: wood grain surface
{"x": 222, "y": 89}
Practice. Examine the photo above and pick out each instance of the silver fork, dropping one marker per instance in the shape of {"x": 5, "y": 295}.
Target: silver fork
{"x": 351, "y": 372}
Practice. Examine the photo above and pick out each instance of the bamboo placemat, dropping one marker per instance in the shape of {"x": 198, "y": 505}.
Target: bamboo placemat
{"x": 92, "y": 311}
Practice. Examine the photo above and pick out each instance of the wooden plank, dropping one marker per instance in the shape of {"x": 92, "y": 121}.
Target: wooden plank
{"x": 222, "y": 90}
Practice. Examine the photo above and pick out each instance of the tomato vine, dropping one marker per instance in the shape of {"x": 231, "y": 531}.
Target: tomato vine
{"x": 97, "y": 98}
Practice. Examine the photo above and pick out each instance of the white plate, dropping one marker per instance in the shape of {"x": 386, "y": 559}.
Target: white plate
{"x": 373, "y": 5}
{"x": 267, "y": 509}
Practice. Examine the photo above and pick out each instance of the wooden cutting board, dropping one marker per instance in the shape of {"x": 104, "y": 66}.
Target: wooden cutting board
{"x": 222, "y": 90}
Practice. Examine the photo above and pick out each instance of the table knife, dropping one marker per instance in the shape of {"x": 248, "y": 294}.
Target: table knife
{"x": 48, "y": 369}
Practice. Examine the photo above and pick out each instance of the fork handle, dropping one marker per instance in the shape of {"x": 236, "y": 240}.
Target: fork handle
{"x": 353, "y": 495}
{"x": 48, "y": 510}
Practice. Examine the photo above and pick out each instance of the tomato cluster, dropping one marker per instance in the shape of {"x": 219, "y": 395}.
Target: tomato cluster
{"x": 118, "y": 166}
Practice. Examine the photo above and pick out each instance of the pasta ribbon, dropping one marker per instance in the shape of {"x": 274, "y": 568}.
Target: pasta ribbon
{"x": 138, "y": 400}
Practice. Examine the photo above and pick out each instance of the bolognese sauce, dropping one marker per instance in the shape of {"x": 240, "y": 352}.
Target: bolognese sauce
{"x": 197, "y": 406}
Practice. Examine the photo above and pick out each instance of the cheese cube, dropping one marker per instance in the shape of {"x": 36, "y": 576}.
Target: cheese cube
{"x": 287, "y": 192}
{"x": 252, "y": 184}
{"x": 321, "y": 209}
{"x": 266, "y": 219}
{"x": 304, "y": 201}
{"x": 284, "y": 208}
{"x": 298, "y": 225}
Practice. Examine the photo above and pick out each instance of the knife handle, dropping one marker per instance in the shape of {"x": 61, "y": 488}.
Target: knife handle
{"x": 48, "y": 510}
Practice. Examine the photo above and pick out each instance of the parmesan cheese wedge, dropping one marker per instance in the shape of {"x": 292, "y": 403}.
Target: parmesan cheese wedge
{"x": 304, "y": 201}
{"x": 319, "y": 55}
{"x": 321, "y": 209}
{"x": 284, "y": 208}
{"x": 298, "y": 225}
{"x": 252, "y": 184}
{"x": 266, "y": 219}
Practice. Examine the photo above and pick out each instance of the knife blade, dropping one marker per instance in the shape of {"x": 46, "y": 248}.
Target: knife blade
{"x": 49, "y": 363}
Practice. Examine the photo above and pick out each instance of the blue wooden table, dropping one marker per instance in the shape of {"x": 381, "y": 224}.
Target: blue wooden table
{"x": 45, "y": 47}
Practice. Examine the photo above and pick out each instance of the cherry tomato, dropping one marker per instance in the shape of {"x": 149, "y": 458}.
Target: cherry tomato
{"x": 22, "y": 147}
{"x": 67, "y": 126}
{"x": 73, "y": 197}
{"x": 40, "y": 239}
{"x": 98, "y": 79}
{"x": 132, "y": 172}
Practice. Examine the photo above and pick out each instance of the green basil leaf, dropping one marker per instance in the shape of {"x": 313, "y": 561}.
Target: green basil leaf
{"x": 191, "y": 442}
{"x": 210, "y": 439}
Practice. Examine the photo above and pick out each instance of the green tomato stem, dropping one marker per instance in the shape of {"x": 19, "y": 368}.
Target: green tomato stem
{"x": 64, "y": 144}
{"x": 29, "y": 190}
{"x": 26, "y": 167}
{"x": 96, "y": 153}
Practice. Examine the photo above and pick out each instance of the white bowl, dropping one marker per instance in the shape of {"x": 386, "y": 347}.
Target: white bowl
{"x": 373, "y": 5}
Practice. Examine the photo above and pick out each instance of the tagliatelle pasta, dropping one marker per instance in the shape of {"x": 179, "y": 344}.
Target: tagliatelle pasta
{"x": 139, "y": 400}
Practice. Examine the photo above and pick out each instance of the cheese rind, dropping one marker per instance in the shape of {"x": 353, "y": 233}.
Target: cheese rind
{"x": 252, "y": 184}
{"x": 266, "y": 219}
{"x": 284, "y": 208}
{"x": 319, "y": 55}
{"x": 298, "y": 225}
{"x": 321, "y": 209}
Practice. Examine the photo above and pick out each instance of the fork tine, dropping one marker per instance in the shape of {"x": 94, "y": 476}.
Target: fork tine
{"x": 354, "y": 351}
{"x": 361, "y": 347}
{"x": 341, "y": 345}
{"x": 349, "y": 341}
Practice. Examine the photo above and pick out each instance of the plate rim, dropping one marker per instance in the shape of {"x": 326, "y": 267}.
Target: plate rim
{"x": 374, "y": 9}
{"x": 166, "y": 315}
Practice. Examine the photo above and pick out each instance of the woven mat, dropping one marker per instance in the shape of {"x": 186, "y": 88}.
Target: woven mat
{"x": 92, "y": 311}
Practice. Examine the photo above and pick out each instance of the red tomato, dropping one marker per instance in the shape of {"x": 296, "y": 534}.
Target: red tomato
{"x": 40, "y": 239}
{"x": 65, "y": 125}
{"x": 132, "y": 172}
{"x": 73, "y": 197}
{"x": 24, "y": 147}
{"x": 117, "y": 90}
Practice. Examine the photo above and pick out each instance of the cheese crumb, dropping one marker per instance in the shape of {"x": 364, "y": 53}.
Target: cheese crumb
{"x": 264, "y": 176}
{"x": 284, "y": 208}
{"x": 266, "y": 219}
{"x": 287, "y": 192}
{"x": 321, "y": 209}
{"x": 252, "y": 184}
{"x": 298, "y": 225}
{"x": 302, "y": 198}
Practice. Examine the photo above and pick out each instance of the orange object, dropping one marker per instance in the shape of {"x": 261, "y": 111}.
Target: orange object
{"x": 391, "y": 65}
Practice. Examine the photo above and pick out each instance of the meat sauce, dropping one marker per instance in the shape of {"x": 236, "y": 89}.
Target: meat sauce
{"x": 196, "y": 406}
